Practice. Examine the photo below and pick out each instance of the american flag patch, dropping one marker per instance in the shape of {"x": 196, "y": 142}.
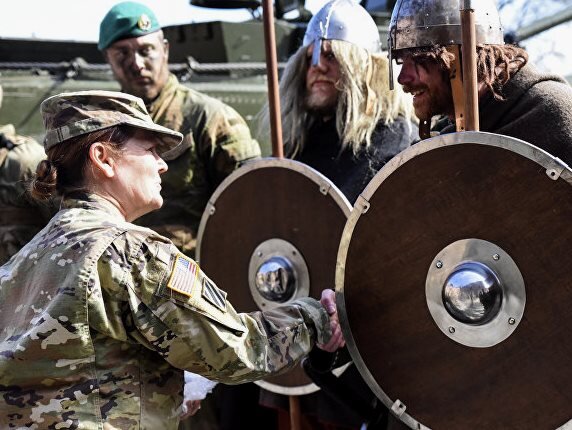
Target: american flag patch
{"x": 213, "y": 294}
{"x": 184, "y": 276}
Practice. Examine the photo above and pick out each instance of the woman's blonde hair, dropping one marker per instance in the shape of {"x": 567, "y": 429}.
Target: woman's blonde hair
{"x": 364, "y": 99}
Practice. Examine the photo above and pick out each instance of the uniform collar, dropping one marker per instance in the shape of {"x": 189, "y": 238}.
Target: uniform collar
{"x": 82, "y": 200}
{"x": 170, "y": 87}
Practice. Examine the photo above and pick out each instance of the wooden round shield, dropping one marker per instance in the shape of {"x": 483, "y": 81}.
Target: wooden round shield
{"x": 270, "y": 234}
{"x": 454, "y": 284}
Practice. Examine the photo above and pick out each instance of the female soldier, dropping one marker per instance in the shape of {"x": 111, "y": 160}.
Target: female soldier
{"x": 97, "y": 315}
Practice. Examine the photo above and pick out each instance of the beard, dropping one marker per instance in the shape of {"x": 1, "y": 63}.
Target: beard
{"x": 437, "y": 99}
{"x": 320, "y": 103}
{"x": 440, "y": 104}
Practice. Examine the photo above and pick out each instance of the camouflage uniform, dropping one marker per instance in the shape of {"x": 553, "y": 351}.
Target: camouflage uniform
{"x": 216, "y": 141}
{"x": 20, "y": 218}
{"x": 98, "y": 316}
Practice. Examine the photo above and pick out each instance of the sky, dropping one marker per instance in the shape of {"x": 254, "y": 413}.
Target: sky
{"x": 79, "y": 20}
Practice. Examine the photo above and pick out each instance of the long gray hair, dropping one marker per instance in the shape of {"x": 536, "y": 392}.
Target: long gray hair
{"x": 364, "y": 99}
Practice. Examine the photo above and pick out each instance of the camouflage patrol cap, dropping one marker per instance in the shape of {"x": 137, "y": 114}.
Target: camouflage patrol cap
{"x": 125, "y": 20}
{"x": 69, "y": 115}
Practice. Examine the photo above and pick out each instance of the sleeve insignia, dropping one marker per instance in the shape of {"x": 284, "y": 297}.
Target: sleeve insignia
{"x": 185, "y": 276}
{"x": 214, "y": 295}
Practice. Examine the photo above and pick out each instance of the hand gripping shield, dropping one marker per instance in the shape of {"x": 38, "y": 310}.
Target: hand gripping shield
{"x": 454, "y": 284}
{"x": 269, "y": 235}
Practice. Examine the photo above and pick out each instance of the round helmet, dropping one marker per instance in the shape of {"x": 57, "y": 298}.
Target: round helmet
{"x": 342, "y": 20}
{"x": 420, "y": 23}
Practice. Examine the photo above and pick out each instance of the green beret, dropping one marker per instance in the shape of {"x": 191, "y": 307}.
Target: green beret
{"x": 125, "y": 20}
{"x": 68, "y": 115}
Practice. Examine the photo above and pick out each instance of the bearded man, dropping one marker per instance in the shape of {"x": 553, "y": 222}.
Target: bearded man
{"x": 338, "y": 113}
{"x": 515, "y": 99}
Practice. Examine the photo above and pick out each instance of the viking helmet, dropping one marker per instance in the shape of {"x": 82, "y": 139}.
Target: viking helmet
{"x": 420, "y": 23}
{"x": 342, "y": 20}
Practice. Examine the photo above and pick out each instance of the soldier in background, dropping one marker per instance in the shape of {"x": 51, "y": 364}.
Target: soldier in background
{"x": 340, "y": 117}
{"x": 515, "y": 99}
{"x": 216, "y": 140}
{"x": 20, "y": 216}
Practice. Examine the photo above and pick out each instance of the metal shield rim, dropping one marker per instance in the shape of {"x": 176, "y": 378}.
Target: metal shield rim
{"x": 300, "y": 390}
{"x": 555, "y": 169}
{"x": 517, "y": 146}
{"x": 326, "y": 187}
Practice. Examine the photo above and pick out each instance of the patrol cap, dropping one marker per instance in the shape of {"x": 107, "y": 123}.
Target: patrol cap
{"x": 124, "y": 20}
{"x": 68, "y": 115}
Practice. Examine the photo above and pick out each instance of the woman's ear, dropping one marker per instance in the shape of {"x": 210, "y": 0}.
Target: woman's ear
{"x": 102, "y": 159}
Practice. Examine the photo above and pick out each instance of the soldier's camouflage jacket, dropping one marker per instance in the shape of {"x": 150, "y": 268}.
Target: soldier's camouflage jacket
{"x": 216, "y": 141}
{"x": 20, "y": 217}
{"x": 98, "y": 315}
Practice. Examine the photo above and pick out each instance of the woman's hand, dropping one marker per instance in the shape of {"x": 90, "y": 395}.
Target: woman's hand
{"x": 337, "y": 341}
{"x": 190, "y": 408}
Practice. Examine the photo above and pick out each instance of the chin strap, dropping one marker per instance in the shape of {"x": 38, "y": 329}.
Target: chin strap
{"x": 457, "y": 89}
{"x": 456, "y": 79}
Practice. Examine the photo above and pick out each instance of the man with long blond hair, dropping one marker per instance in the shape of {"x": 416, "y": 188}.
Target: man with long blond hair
{"x": 338, "y": 114}
{"x": 340, "y": 117}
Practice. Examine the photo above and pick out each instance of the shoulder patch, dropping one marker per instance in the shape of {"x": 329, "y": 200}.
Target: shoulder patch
{"x": 185, "y": 276}
{"x": 213, "y": 294}
{"x": 188, "y": 285}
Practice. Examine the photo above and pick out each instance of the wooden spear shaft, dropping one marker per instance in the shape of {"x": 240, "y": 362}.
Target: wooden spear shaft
{"x": 272, "y": 76}
{"x": 469, "y": 64}
{"x": 276, "y": 133}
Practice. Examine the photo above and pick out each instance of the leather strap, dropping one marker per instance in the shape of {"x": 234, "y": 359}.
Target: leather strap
{"x": 456, "y": 78}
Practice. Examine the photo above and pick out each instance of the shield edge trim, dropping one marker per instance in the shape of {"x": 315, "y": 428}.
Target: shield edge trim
{"x": 299, "y": 390}
{"x": 540, "y": 156}
{"x": 555, "y": 169}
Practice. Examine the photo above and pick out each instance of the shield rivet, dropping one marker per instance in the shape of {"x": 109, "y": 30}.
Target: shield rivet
{"x": 451, "y": 330}
{"x": 439, "y": 264}
{"x": 511, "y": 321}
{"x": 496, "y": 257}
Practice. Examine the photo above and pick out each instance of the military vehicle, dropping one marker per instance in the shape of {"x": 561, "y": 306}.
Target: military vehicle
{"x": 222, "y": 59}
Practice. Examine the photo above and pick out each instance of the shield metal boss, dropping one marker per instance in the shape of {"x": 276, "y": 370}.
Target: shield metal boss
{"x": 269, "y": 235}
{"x": 454, "y": 284}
